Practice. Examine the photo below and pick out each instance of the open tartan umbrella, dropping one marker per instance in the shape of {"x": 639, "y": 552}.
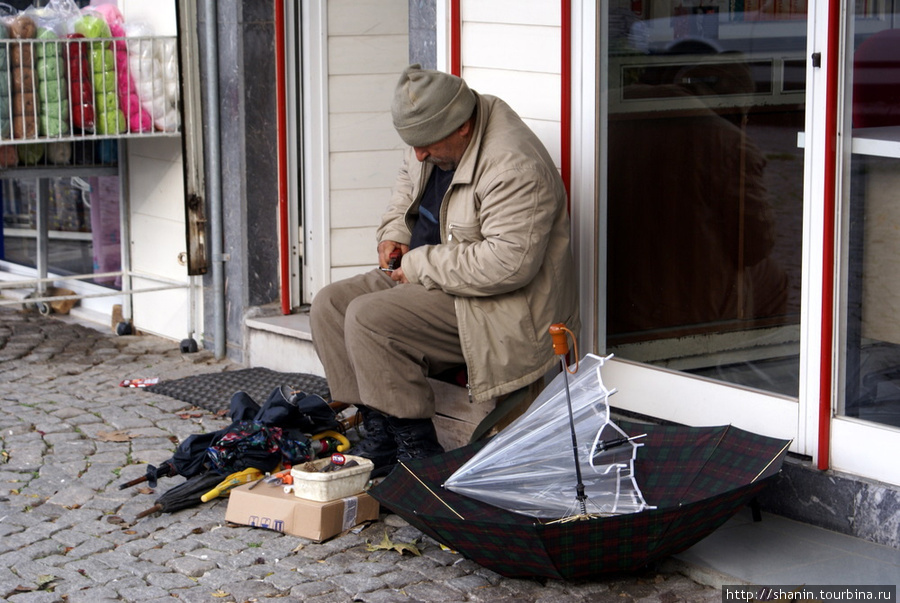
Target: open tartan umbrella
{"x": 695, "y": 477}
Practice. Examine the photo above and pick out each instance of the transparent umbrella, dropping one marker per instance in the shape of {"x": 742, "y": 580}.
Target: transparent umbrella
{"x": 529, "y": 467}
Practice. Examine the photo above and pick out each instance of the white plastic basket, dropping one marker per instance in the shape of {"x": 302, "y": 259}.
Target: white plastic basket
{"x": 334, "y": 485}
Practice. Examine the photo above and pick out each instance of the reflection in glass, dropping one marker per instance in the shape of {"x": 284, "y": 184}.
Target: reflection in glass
{"x": 705, "y": 189}
{"x": 872, "y": 285}
{"x": 82, "y": 221}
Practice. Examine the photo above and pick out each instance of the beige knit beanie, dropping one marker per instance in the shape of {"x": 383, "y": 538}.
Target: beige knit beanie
{"x": 429, "y": 105}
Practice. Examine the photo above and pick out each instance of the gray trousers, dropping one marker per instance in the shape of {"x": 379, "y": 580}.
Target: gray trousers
{"x": 378, "y": 341}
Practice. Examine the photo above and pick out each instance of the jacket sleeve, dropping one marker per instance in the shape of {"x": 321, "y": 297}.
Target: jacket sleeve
{"x": 393, "y": 222}
{"x": 503, "y": 247}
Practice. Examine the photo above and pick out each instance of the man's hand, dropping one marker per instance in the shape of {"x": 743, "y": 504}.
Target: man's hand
{"x": 385, "y": 249}
{"x": 398, "y": 276}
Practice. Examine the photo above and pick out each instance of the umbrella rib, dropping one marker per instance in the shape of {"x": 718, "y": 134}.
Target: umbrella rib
{"x": 402, "y": 464}
{"x": 769, "y": 464}
{"x": 705, "y": 462}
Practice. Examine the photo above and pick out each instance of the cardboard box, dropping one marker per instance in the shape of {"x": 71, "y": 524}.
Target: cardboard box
{"x": 272, "y": 508}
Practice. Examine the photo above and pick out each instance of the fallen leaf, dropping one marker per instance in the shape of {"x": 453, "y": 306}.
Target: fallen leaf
{"x": 219, "y": 594}
{"x": 190, "y": 415}
{"x": 387, "y": 545}
{"x": 145, "y": 490}
{"x": 114, "y": 436}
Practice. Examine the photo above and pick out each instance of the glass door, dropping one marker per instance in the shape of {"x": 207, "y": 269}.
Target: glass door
{"x": 868, "y": 407}
{"x": 703, "y": 207}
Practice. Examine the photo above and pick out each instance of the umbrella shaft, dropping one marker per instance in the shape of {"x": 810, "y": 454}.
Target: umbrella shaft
{"x": 580, "y": 484}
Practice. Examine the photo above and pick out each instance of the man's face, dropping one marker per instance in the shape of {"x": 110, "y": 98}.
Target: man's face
{"x": 447, "y": 153}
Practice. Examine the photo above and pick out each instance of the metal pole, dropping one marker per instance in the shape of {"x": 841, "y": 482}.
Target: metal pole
{"x": 125, "y": 234}
{"x": 42, "y": 227}
{"x": 214, "y": 189}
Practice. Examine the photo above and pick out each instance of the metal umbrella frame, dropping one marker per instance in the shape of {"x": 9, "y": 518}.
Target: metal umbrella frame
{"x": 528, "y": 467}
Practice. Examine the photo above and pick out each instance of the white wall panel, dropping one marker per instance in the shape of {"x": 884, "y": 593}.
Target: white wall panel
{"x": 366, "y": 92}
{"x": 367, "y": 54}
{"x": 354, "y": 247}
{"x": 364, "y": 170}
{"x": 156, "y": 242}
{"x": 160, "y": 15}
{"x": 523, "y": 12}
{"x": 531, "y": 95}
{"x": 368, "y": 47}
{"x": 156, "y": 197}
{"x": 550, "y": 135}
{"x": 163, "y": 313}
{"x": 511, "y": 47}
{"x": 369, "y": 17}
{"x": 156, "y": 180}
{"x": 155, "y": 245}
{"x": 362, "y": 132}
{"x": 358, "y": 207}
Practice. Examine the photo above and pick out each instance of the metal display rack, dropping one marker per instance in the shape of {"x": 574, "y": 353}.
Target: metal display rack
{"x": 62, "y": 93}
{"x": 88, "y": 89}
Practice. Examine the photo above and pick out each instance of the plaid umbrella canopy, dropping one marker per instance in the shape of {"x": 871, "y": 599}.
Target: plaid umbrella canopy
{"x": 696, "y": 477}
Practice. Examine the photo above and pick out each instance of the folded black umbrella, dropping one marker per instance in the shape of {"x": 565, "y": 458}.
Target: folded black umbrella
{"x": 184, "y": 495}
{"x": 259, "y": 437}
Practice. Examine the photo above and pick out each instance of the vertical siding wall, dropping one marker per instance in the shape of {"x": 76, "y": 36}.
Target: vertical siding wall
{"x": 512, "y": 49}
{"x": 368, "y": 47}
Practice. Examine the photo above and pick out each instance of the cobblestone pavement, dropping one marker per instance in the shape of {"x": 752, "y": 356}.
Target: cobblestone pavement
{"x": 70, "y": 435}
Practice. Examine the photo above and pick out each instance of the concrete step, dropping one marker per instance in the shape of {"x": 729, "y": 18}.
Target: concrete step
{"x": 282, "y": 343}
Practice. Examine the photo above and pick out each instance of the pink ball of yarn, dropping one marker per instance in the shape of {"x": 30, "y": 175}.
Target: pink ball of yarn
{"x": 146, "y": 122}
{"x": 125, "y": 84}
{"x": 132, "y": 104}
{"x": 111, "y": 14}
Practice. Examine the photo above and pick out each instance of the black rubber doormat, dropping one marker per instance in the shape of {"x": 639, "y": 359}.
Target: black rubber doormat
{"x": 213, "y": 391}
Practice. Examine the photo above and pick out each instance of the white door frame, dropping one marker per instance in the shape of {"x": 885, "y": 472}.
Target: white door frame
{"x": 856, "y": 446}
{"x": 313, "y": 238}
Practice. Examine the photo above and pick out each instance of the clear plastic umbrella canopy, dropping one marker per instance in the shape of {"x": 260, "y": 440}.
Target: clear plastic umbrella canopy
{"x": 529, "y": 467}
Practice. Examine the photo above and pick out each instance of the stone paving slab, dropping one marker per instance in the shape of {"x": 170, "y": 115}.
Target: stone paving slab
{"x": 67, "y": 533}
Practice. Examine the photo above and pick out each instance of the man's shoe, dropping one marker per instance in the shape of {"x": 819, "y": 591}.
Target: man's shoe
{"x": 379, "y": 445}
{"x": 415, "y": 438}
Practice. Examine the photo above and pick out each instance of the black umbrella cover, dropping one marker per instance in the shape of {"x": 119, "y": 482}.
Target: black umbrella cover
{"x": 184, "y": 495}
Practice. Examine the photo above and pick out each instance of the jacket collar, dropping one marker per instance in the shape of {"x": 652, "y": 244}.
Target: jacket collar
{"x": 465, "y": 171}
